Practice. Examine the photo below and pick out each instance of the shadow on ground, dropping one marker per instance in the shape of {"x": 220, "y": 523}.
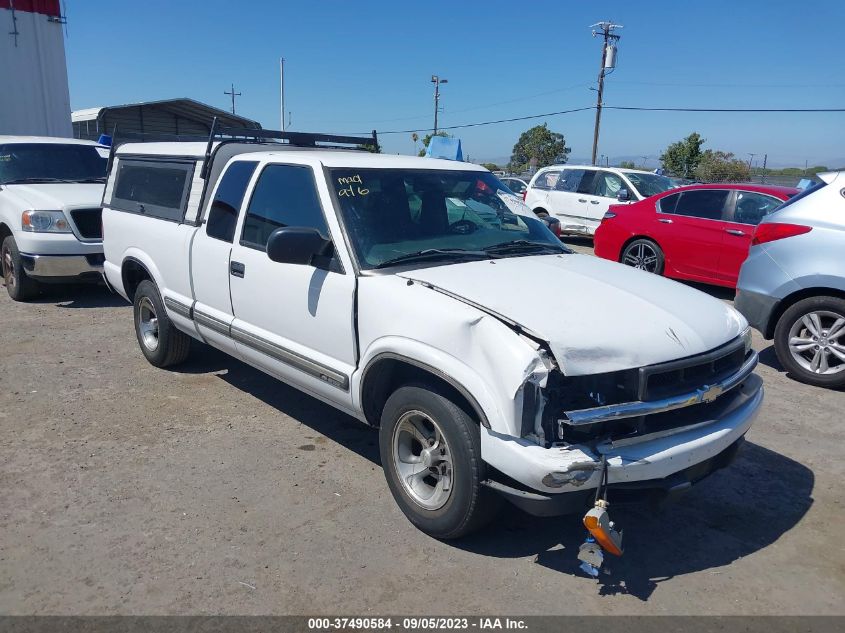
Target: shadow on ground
{"x": 731, "y": 514}
{"x": 79, "y": 296}
{"x": 322, "y": 418}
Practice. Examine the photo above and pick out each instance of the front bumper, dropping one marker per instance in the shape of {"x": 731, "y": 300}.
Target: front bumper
{"x": 62, "y": 266}
{"x": 757, "y": 308}
{"x": 566, "y": 469}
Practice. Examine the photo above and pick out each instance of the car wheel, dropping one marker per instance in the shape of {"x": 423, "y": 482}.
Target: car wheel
{"x": 644, "y": 254}
{"x": 810, "y": 341}
{"x": 161, "y": 343}
{"x": 19, "y": 285}
{"x": 541, "y": 213}
{"x": 431, "y": 454}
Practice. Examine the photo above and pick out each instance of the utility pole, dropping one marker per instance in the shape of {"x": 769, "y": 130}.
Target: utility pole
{"x": 750, "y": 160}
{"x": 233, "y": 94}
{"x": 282, "y": 89}
{"x": 765, "y": 159}
{"x": 608, "y": 61}
{"x": 437, "y": 81}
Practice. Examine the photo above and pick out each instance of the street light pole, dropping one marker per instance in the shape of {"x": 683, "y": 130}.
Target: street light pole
{"x": 437, "y": 81}
{"x": 609, "y": 39}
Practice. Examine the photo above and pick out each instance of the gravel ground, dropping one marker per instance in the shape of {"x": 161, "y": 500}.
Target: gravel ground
{"x": 213, "y": 489}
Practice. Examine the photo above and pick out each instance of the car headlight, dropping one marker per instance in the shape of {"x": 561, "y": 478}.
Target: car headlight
{"x": 746, "y": 338}
{"x": 45, "y": 222}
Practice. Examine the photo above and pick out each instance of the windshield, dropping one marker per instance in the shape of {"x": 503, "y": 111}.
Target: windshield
{"x": 405, "y": 215}
{"x": 650, "y": 184}
{"x": 50, "y": 162}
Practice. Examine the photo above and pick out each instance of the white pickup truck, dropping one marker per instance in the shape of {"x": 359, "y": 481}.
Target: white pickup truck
{"x": 50, "y": 195}
{"x": 421, "y": 297}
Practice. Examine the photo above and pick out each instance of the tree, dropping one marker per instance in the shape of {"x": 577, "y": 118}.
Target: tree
{"x": 716, "y": 166}
{"x": 538, "y": 144}
{"x": 682, "y": 158}
{"x": 627, "y": 164}
{"x": 490, "y": 166}
{"x": 427, "y": 139}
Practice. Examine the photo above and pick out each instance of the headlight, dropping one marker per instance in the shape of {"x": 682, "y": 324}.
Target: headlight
{"x": 45, "y": 222}
{"x": 746, "y": 338}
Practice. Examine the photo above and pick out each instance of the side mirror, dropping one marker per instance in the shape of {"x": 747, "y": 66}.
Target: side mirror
{"x": 624, "y": 195}
{"x": 296, "y": 245}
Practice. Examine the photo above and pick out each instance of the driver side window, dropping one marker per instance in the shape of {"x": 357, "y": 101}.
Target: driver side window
{"x": 285, "y": 195}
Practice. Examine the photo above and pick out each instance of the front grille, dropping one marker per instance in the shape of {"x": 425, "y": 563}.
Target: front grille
{"x": 665, "y": 380}
{"x": 89, "y": 223}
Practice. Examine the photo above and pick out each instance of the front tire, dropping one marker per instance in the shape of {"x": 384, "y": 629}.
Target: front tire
{"x": 644, "y": 254}
{"x": 19, "y": 285}
{"x": 161, "y": 343}
{"x": 431, "y": 454}
{"x": 810, "y": 341}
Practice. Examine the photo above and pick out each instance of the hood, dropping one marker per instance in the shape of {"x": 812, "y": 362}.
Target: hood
{"x": 55, "y": 196}
{"x": 597, "y": 316}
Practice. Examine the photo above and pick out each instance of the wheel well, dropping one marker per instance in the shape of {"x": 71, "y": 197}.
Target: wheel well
{"x": 540, "y": 210}
{"x": 633, "y": 239}
{"x": 386, "y": 375}
{"x": 790, "y": 300}
{"x": 132, "y": 274}
{"x": 5, "y": 232}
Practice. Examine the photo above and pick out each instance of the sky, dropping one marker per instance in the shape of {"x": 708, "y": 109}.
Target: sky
{"x": 358, "y": 66}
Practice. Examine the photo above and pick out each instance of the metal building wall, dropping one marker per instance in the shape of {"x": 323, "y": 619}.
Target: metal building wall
{"x": 34, "y": 97}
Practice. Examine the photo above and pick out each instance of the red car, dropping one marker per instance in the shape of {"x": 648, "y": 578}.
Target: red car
{"x": 699, "y": 232}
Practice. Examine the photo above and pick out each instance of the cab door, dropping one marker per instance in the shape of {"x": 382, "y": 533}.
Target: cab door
{"x": 569, "y": 204}
{"x": 211, "y": 252}
{"x": 745, "y": 210}
{"x": 294, "y": 321}
{"x": 691, "y": 231}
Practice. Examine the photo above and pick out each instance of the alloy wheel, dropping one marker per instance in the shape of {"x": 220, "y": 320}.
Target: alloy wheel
{"x": 423, "y": 460}
{"x": 9, "y": 273}
{"x": 817, "y": 342}
{"x": 641, "y": 256}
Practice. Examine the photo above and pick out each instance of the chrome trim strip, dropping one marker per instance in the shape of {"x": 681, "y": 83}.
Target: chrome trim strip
{"x": 705, "y": 393}
{"x": 212, "y": 323}
{"x": 311, "y": 367}
{"x": 178, "y": 307}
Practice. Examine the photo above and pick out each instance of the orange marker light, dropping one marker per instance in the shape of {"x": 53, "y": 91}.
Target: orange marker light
{"x": 597, "y": 521}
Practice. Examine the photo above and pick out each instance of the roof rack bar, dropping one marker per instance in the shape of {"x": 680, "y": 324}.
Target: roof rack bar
{"x": 304, "y": 139}
{"x": 209, "y": 145}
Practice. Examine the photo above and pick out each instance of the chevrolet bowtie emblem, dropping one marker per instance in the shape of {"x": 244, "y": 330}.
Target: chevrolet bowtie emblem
{"x": 710, "y": 393}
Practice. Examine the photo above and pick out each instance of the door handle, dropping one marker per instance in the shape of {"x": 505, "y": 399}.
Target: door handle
{"x": 582, "y": 199}
{"x": 735, "y": 232}
{"x": 237, "y": 269}
{"x": 664, "y": 220}
{"x": 594, "y": 201}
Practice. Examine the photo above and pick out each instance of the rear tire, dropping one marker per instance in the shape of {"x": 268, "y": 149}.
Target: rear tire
{"x": 810, "y": 341}
{"x": 431, "y": 454}
{"x": 19, "y": 285}
{"x": 161, "y": 343}
{"x": 644, "y": 254}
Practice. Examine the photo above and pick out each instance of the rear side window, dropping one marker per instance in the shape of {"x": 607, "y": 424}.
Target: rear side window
{"x": 708, "y": 204}
{"x": 547, "y": 180}
{"x": 223, "y": 214}
{"x": 668, "y": 204}
{"x": 157, "y": 188}
{"x": 570, "y": 179}
{"x": 285, "y": 195}
{"x": 751, "y": 207}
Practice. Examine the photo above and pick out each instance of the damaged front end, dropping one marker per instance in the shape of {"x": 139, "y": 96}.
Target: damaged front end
{"x": 657, "y": 428}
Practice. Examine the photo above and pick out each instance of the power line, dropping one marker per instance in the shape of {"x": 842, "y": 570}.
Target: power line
{"x": 465, "y": 125}
{"x": 725, "y": 109}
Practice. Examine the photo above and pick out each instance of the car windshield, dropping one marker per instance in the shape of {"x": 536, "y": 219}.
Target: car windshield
{"x": 650, "y": 184}
{"x": 50, "y": 162}
{"x": 400, "y": 216}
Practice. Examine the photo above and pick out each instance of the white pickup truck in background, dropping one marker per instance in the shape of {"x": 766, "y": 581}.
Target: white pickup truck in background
{"x": 50, "y": 216}
{"x": 422, "y": 298}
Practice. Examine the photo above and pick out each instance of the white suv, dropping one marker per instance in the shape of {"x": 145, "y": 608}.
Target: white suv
{"x": 579, "y": 195}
